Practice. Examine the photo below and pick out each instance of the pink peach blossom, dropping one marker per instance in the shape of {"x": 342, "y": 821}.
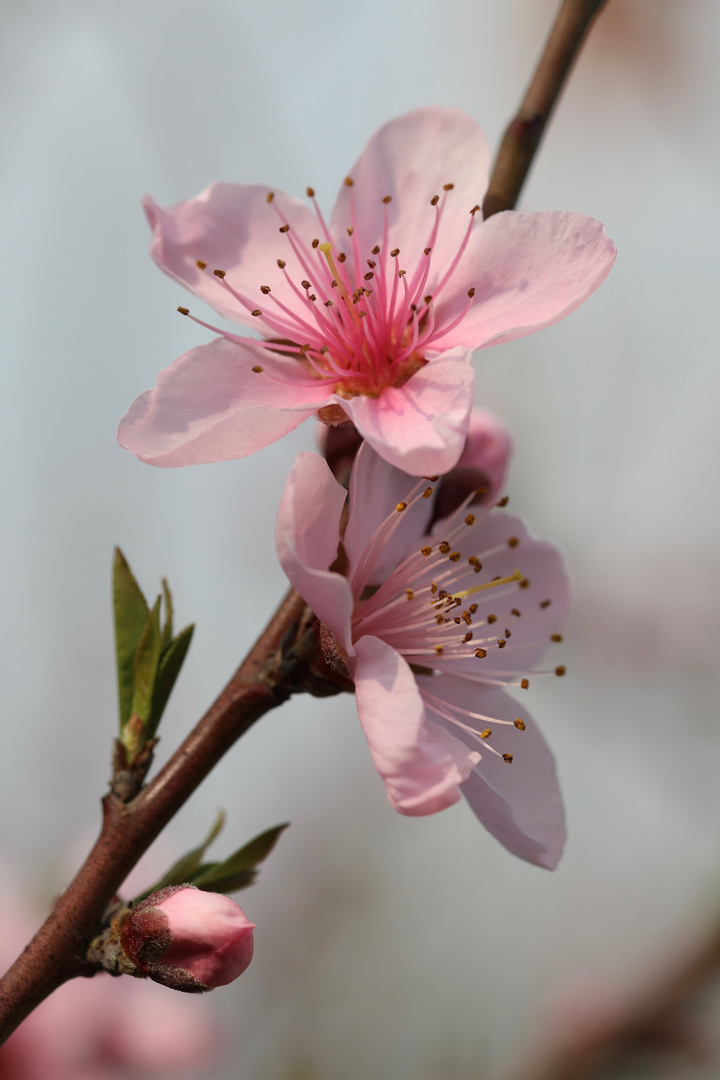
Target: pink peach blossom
{"x": 188, "y": 939}
{"x": 371, "y": 316}
{"x": 434, "y": 624}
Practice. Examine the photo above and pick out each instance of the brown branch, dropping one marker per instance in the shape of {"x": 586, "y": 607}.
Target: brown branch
{"x": 56, "y": 953}
{"x": 523, "y": 134}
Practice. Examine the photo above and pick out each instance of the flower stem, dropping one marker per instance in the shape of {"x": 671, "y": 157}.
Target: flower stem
{"x": 523, "y": 134}
{"x": 57, "y": 952}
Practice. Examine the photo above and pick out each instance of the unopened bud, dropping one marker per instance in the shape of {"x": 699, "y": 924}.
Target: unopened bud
{"x": 185, "y": 938}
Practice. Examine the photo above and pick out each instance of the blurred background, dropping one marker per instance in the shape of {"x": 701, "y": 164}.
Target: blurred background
{"x": 385, "y": 946}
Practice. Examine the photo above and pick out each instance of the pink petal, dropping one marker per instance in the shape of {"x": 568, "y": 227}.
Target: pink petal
{"x": 232, "y": 227}
{"x": 420, "y": 427}
{"x": 410, "y": 159}
{"x": 528, "y": 271}
{"x": 376, "y": 488}
{"x": 411, "y": 755}
{"x": 483, "y": 464}
{"x": 519, "y": 803}
{"x": 306, "y": 538}
{"x": 211, "y": 406}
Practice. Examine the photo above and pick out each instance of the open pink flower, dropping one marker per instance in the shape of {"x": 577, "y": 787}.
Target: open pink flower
{"x": 434, "y": 623}
{"x": 371, "y": 316}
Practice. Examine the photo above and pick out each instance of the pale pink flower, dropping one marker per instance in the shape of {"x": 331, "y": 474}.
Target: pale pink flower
{"x": 370, "y": 316}
{"x": 432, "y": 641}
{"x": 188, "y": 939}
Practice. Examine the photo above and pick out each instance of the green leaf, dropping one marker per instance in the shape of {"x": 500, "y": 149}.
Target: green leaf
{"x": 168, "y": 625}
{"x": 171, "y": 661}
{"x": 131, "y": 615}
{"x": 219, "y": 877}
{"x": 184, "y": 869}
{"x": 145, "y": 666}
{"x": 211, "y": 878}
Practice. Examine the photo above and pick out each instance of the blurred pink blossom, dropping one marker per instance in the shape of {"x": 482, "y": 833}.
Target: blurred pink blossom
{"x": 103, "y": 1028}
{"x": 431, "y": 641}
{"x": 188, "y": 939}
{"x": 372, "y": 316}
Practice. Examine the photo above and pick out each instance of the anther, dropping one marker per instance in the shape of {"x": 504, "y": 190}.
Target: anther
{"x": 507, "y": 758}
{"x": 265, "y": 289}
{"x": 473, "y": 608}
{"x": 426, "y": 551}
{"x": 514, "y": 611}
{"x": 369, "y": 276}
{"x": 395, "y": 252}
{"x": 427, "y": 300}
{"x": 560, "y": 669}
{"x": 520, "y": 724}
{"x": 470, "y": 519}
{"x": 426, "y": 251}
{"x": 310, "y": 192}
{"x": 401, "y": 506}
{"x": 342, "y": 256}
{"x": 486, "y": 733}
{"x": 545, "y": 603}
{"x": 475, "y": 209}
{"x": 432, "y": 479}
{"x": 375, "y": 250}
{"x": 468, "y": 637}
{"x": 409, "y": 593}
{"x": 329, "y": 303}
{"x": 455, "y": 556}
{"x": 525, "y": 584}
{"x": 448, "y": 187}
{"x": 305, "y": 283}
{"x": 508, "y": 633}
{"x": 402, "y": 273}
{"x": 473, "y": 560}
{"x": 471, "y": 293}
{"x": 219, "y": 273}
{"x": 439, "y": 620}
{"x": 481, "y": 654}
{"x": 350, "y": 230}
{"x": 281, "y": 263}
{"x": 524, "y": 684}
{"x": 184, "y": 310}
{"x": 439, "y": 650}
{"x": 256, "y": 312}
{"x": 200, "y": 264}
{"x": 270, "y": 196}
{"x": 284, "y": 228}
{"x": 257, "y": 369}
{"x": 304, "y": 349}
{"x": 433, "y": 587}
{"x": 349, "y": 181}
{"x": 387, "y": 199}
{"x": 513, "y": 541}
{"x": 315, "y": 242}
{"x": 556, "y": 637}
{"x": 443, "y": 547}
{"x": 371, "y": 263}
{"x": 457, "y": 620}
{"x": 427, "y": 493}
{"x": 501, "y": 643}
{"x": 492, "y": 618}
{"x": 504, "y": 501}
{"x": 435, "y": 200}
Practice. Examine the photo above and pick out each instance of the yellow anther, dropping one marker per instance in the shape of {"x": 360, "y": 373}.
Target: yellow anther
{"x": 401, "y": 506}
{"x": 486, "y": 733}
{"x": 519, "y": 724}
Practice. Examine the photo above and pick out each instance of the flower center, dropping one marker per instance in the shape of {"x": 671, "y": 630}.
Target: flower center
{"x": 357, "y": 326}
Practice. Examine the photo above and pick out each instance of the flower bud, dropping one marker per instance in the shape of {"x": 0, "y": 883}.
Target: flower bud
{"x": 187, "y": 939}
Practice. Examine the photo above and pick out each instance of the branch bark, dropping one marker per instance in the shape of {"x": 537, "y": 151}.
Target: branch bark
{"x": 56, "y": 953}
{"x": 522, "y": 136}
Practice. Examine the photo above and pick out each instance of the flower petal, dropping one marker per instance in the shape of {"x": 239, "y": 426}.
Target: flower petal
{"x": 519, "y": 803}
{"x": 306, "y": 538}
{"x": 420, "y": 427}
{"x": 410, "y": 159}
{"x": 528, "y": 271}
{"x": 376, "y": 488}
{"x": 232, "y": 227}
{"x": 482, "y": 465}
{"x": 211, "y": 406}
{"x": 411, "y": 754}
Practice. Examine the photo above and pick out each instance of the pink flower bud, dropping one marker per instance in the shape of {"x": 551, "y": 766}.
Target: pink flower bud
{"x": 188, "y": 939}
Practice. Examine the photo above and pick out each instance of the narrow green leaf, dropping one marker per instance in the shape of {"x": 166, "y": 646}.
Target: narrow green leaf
{"x": 216, "y": 876}
{"x": 131, "y": 615}
{"x": 168, "y": 624}
{"x": 171, "y": 661}
{"x": 184, "y": 869}
{"x": 145, "y": 666}
{"x": 210, "y": 878}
